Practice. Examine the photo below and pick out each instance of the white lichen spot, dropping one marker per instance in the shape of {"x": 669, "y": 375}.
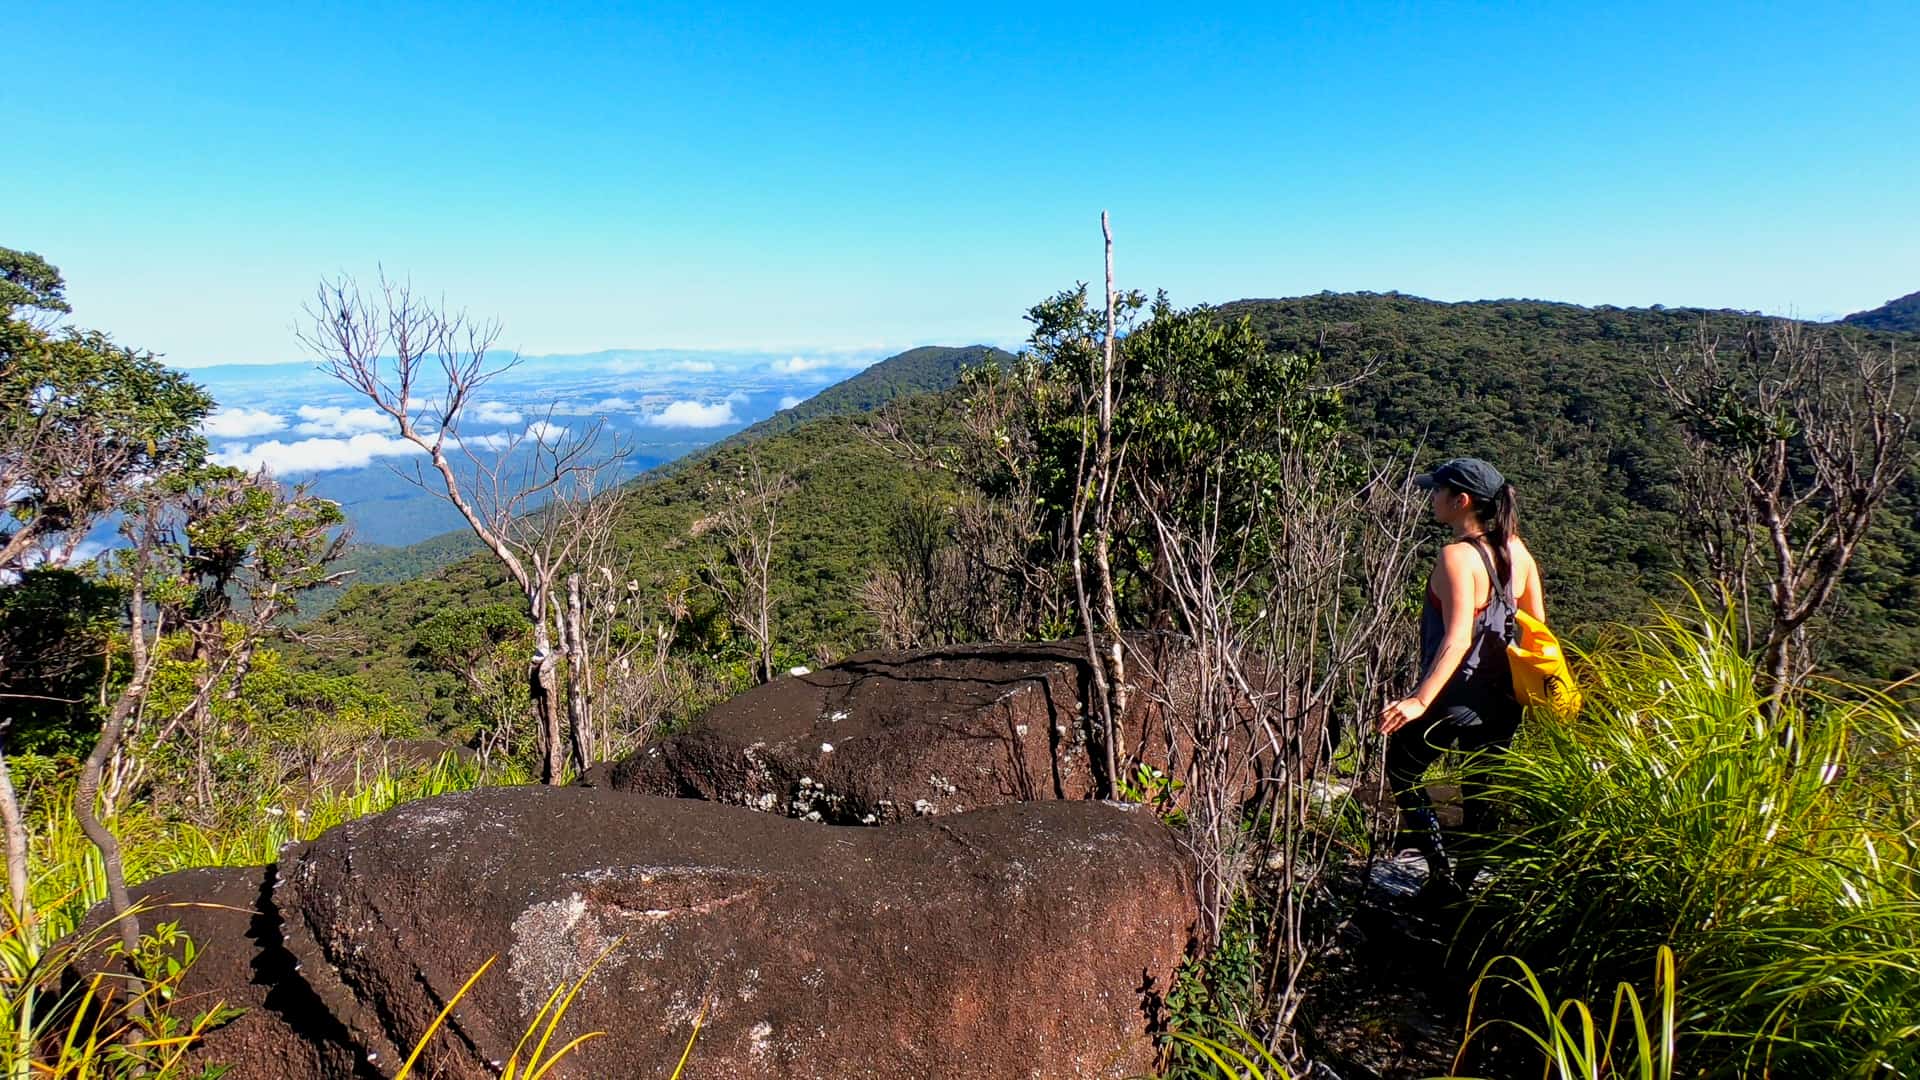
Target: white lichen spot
{"x": 759, "y": 1040}
{"x": 922, "y": 806}
{"x": 799, "y": 671}
{"x": 549, "y": 939}
{"x": 826, "y": 748}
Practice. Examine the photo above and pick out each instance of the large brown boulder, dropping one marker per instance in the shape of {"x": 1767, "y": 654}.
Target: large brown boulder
{"x": 1027, "y": 940}
{"x": 887, "y": 736}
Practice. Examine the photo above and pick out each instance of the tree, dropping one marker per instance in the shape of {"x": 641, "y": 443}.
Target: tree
{"x": 85, "y": 426}
{"x": 1795, "y": 439}
{"x": 29, "y": 281}
{"x": 388, "y": 345}
{"x": 484, "y": 647}
{"x": 223, "y": 555}
{"x": 240, "y": 551}
{"x": 740, "y": 568}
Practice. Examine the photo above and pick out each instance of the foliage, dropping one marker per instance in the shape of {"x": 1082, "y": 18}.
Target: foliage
{"x": 1234, "y": 1055}
{"x": 1559, "y": 396}
{"x": 845, "y": 491}
{"x": 83, "y": 423}
{"x": 29, "y": 281}
{"x": 1569, "y": 1042}
{"x": 55, "y": 629}
{"x": 1214, "y": 997}
{"x": 1780, "y": 863}
{"x": 119, "y": 1022}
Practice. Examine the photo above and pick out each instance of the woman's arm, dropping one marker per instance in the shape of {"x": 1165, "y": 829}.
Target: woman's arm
{"x": 1454, "y": 585}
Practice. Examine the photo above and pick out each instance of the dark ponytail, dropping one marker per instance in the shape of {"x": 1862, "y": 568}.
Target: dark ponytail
{"x": 1499, "y": 518}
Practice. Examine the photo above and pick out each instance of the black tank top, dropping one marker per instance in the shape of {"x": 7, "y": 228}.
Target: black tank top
{"x": 1483, "y": 674}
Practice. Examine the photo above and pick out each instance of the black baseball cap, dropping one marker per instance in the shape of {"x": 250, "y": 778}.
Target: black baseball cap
{"x": 1468, "y": 474}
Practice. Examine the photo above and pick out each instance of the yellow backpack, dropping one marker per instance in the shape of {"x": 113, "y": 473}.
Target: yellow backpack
{"x": 1541, "y": 677}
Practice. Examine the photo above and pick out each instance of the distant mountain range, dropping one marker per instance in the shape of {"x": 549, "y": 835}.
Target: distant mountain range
{"x": 1894, "y": 316}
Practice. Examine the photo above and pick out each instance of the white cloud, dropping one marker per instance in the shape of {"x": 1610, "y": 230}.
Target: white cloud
{"x": 789, "y": 401}
{"x": 615, "y": 404}
{"x": 693, "y": 414}
{"x": 738, "y": 397}
{"x": 493, "y": 412}
{"x": 314, "y": 455}
{"x": 624, "y": 364}
{"x": 235, "y": 423}
{"x": 542, "y": 431}
{"x": 334, "y": 420}
{"x": 498, "y": 440}
{"x": 800, "y": 365}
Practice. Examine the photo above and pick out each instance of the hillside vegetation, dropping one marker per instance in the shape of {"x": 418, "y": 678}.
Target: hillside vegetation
{"x": 1901, "y": 315}
{"x": 1564, "y": 400}
{"x": 1561, "y": 397}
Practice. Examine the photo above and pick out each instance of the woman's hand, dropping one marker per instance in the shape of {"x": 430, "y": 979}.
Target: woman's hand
{"x": 1400, "y": 713}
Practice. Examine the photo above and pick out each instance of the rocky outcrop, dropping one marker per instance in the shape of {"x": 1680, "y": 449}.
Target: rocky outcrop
{"x": 1026, "y": 940}
{"x": 888, "y": 736}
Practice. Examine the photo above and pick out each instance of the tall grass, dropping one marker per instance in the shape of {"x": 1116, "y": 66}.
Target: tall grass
{"x": 67, "y": 876}
{"x": 1780, "y": 860}
{"x": 1569, "y": 1039}
{"x": 133, "y": 1032}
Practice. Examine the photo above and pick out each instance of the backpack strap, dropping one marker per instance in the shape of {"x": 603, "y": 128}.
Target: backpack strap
{"x": 1499, "y": 590}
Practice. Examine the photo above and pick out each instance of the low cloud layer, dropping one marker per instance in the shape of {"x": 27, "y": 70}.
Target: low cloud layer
{"x": 694, "y": 414}
{"x": 313, "y": 455}
{"x": 800, "y": 365}
{"x": 228, "y": 423}
{"x": 492, "y": 412}
{"x": 334, "y": 420}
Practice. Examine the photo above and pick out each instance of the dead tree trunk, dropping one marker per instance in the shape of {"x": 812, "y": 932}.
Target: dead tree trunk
{"x": 15, "y": 824}
{"x": 580, "y": 711}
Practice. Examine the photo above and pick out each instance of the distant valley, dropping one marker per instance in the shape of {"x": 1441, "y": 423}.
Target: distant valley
{"x": 299, "y": 423}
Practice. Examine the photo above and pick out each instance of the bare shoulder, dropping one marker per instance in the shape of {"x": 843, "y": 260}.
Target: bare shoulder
{"x": 1524, "y": 566}
{"x": 1458, "y": 561}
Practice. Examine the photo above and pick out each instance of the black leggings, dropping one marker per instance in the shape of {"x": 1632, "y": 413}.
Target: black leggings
{"x": 1467, "y": 727}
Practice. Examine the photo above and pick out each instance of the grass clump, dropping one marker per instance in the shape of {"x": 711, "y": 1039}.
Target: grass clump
{"x": 1778, "y": 856}
{"x": 68, "y": 878}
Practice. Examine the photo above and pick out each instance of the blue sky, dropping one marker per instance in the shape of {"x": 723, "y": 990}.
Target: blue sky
{"x": 805, "y": 176}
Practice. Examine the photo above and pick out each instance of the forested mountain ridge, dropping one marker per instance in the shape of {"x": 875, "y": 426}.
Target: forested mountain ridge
{"x": 1901, "y": 315}
{"x": 923, "y": 370}
{"x": 1564, "y": 400}
{"x": 1561, "y": 397}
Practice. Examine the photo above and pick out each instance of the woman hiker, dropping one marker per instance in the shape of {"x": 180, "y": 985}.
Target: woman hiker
{"x": 1465, "y": 696}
